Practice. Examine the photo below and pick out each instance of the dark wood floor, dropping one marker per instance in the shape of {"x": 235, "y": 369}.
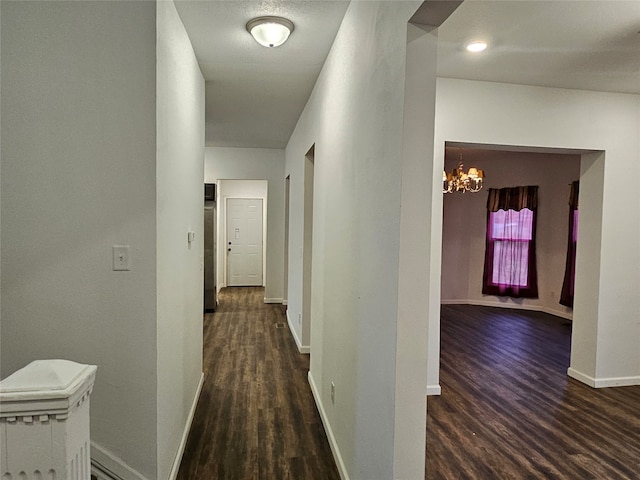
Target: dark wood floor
{"x": 509, "y": 411}
{"x": 256, "y": 418}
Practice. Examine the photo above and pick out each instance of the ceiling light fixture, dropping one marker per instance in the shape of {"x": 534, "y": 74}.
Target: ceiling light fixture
{"x": 270, "y": 31}
{"x": 476, "y": 46}
{"x": 458, "y": 181}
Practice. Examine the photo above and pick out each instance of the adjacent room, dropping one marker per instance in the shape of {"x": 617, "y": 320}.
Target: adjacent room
{"x": 506, "y": 400}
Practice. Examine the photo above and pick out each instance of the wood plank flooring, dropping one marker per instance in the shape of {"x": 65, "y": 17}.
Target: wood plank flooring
{"x": 509, "y": 411}
{"x": 256, "y": 418}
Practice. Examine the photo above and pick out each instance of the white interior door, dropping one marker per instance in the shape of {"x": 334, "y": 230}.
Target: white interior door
{"x": 244, "y": 242}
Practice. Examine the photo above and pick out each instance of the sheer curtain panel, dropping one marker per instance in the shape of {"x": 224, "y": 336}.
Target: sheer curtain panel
{"x": 510, "y": 255}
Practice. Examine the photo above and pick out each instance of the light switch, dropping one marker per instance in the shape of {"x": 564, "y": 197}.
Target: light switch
{"x": 121, "y": 258}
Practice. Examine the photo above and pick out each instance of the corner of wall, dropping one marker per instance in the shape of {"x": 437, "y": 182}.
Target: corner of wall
{"x": 335, "y": 449}
{"x": 107, "y": 466}
{"x": 296, "y": 338}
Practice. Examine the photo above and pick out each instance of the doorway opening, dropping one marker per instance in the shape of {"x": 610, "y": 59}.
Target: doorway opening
{"x": 309, "y": 165}
{"x": 255, "y": 190}
{"x": 244, "y": 242}
{"x": 465, "y": 216}
{"x": 287, "y": 209}
{"x": 565, "y": 165}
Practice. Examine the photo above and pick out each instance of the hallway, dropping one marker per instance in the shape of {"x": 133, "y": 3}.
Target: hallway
{"x": 256, "y": 418}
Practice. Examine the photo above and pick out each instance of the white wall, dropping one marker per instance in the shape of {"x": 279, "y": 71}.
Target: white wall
{"x": 606, "y": 333}
{"x": 465, "y": 218}
{"x": 78, "y": 176}
{"x": 255, "y": 164}
{"x": 180, "y": 203}
{"x": 83, "y": 102}
{"x": 414, "y": 259}
{"x": 0, "y": 193}
{"x": 355, "y": 121}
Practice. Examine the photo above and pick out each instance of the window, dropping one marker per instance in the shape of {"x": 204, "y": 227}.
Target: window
{"x": 511, "y": 234}
{"x": 510, "y": 268}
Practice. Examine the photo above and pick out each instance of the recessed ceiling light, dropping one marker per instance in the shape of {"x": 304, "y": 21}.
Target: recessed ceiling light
{"x": 270, "y": 31}
{"x": 476, "y": 46}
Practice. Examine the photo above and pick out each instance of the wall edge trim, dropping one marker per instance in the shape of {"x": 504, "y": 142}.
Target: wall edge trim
{"x": 187, "y": 428}
{"x": 301, "y": 348}
{"x": 342, "y": 469}
{"x": 603, "y": 382}
{"x": 434, "y": 390}
{"x": 492, "y": 303}
{"x": 581, "y": 377}
{"x": 107, "y": 466}
{"x": 273, "y": 300}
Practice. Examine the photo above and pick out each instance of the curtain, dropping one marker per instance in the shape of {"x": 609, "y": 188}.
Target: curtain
{"x": 510, "y": 254}
{"x": 566, "y": 296}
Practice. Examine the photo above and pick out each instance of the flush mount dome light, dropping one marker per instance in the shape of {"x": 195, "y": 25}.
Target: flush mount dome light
{"x": 270, "y": 31}
{"x": 476, "y": 46}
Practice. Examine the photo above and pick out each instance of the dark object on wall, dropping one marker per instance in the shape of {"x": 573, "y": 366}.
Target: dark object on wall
{"x": 210, "y": 291}
{"x": 566, "y": 296}
{"x": 210, "y": 192}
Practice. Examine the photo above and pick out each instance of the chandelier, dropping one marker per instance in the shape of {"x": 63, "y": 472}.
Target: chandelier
{"x": 458, "y": 181}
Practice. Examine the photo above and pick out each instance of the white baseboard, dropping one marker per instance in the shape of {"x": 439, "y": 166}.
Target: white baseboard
{"x": 434, "y": 390}
{"x": 342, "y": 469}
{"x": 273, "y": 300}
{"x": 515, "y": 306}
{"x": 107, "y": 466}
{"x": 301, "y": 348}
{"x": 285, "y": 302}
{"x": 581, "y": 377}
{"x": 603, "y": 382}
{"x": 185, "y": 434}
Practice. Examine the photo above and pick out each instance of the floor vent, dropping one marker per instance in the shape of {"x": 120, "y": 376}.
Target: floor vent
{"x": 279, "y": 325}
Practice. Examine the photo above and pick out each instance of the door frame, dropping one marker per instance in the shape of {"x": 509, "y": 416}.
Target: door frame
{"x": 239, "y": 188}
{"x": 226, "y": 236}
{"x": 232, "y": 188}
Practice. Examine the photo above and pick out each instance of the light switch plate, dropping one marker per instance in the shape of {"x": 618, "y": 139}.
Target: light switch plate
{"x": 121, "y": 261}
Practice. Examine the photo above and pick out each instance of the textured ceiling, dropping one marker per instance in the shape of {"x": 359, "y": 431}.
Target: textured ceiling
{"x": 585, "y": 45}
{"x": 255, "y": 95}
